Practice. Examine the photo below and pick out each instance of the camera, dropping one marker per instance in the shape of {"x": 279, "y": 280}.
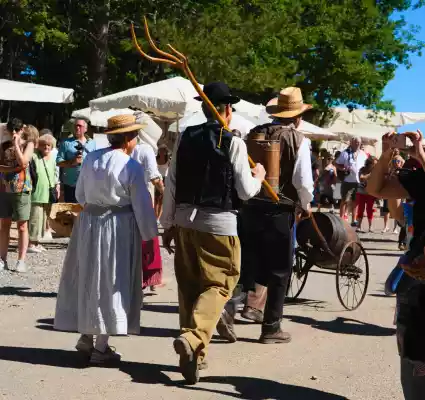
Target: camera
{"x": 79, "y": 147}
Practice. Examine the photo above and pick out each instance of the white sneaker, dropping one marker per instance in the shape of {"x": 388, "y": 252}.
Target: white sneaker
{"x": 41, "y": 248}
{"x": 3, "y": 265}
{"x": 34, "y": 250}
{"x": 109, "y": 356}
{"x": 47, "y": 236}
{"x": 21, "y": 267}
{"x": 85, "y": 344}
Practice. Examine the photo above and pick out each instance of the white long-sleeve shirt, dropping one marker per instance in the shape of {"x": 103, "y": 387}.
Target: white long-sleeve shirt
{"x": 302, "y": 178}
{"x": 211, "y": 220}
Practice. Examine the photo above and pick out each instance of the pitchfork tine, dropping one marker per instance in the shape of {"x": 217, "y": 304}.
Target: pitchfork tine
{"x": 148, "y": 57}
{"x": 181, "y": 55}
{"x": 155, "y": 48}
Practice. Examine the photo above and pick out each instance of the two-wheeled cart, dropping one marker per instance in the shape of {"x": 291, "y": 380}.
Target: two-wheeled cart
{"x": 336, "y": 250}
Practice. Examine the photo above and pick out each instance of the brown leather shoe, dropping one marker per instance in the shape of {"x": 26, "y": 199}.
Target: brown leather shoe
{"x": 252, "y": 314}
{"x": 225, "y": 327}
{"x": 203, "y": 365}
{"x": 188, "y": 360}
{"x": 275, "y": 337}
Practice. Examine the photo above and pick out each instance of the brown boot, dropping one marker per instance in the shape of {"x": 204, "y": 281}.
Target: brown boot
{"x": 225, "y": 327}
{"x": 189, "y": 367}
{"x": 252, "y": 314}
{"x": 274, "y": 336}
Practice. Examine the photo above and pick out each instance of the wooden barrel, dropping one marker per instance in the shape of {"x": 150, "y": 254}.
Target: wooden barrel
{"x": 337, "y": 234}
{"x": 266, "y": 152}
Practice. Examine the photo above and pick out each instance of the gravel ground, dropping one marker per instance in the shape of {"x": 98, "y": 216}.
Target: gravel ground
{"x": 334, "y": 354}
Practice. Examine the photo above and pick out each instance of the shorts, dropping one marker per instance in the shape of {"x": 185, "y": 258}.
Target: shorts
{"x": 384, "y": 209}
{"x": 327, "y": 199}
{"x": 348, "y": 191}
{"x": 16, "y": 206}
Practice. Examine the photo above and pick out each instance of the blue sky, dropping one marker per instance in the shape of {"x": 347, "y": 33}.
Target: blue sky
{"x": 407, "y": 89}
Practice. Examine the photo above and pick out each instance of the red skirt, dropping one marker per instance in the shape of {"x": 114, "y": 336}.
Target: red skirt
{"x": 152, "y": 273}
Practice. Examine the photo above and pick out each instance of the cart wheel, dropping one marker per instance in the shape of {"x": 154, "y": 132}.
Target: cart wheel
{"x": 298, "y": 279}
{"x": 352, "y": 276}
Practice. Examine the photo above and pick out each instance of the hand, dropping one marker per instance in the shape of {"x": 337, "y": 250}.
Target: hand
{"x": 416, "y": 137}
{"x": 16, "y": 139}
{"x": 259, "y": 172}
{"x": 148, "y": 252}
{"x": 386, "y": 141}
{"x": 305, "y": 214}
{"x": 167, "y": 237}
{"x": 77, "y": 161}
{"x": 58, "y": 192}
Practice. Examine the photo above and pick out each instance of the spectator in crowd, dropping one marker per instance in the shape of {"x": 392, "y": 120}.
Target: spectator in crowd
{"x": 316, "y": 168}
{"x": 410, "y": 316}
{"x": 53, "y": 155}
{"x": 349, "y": 164}
{"x": 46, "y": 192}
{"x": 72, "y": 152}
{"x": 363, "y": 199}
{"x": 327, "y": 183}
{"x": 15, "y": 189}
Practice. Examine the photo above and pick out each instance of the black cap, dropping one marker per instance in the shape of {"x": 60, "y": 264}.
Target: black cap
{"x": 219, "y": 93}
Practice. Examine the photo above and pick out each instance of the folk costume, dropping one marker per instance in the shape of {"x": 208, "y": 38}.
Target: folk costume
{"x": 100, "y": 289}
{"x": 208, "y": 176}
{"x": 266, "y": 229}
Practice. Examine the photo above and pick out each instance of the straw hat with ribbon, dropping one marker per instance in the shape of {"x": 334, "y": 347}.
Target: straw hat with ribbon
{"x": 288, "y": 104}
{"x": 123, "y": 124}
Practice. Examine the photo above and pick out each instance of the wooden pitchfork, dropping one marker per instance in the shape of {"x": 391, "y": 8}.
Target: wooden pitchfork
{"x": 179, "y": 61}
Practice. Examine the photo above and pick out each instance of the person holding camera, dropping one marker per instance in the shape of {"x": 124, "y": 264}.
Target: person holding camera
{"x": 16, "y": 186}
{"x": 71, "y": 154}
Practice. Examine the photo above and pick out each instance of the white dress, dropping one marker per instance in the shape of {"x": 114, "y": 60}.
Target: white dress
{"x": 100, "y": 288}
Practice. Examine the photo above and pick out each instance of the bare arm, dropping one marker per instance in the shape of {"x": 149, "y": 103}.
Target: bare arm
{"x": 23, "y": 158}
{"x": 382, "y": 186}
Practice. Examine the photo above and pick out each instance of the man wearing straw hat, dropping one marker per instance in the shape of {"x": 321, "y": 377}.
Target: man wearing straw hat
{"x": 267, "y": 228}
{"x": 208, "y": 176}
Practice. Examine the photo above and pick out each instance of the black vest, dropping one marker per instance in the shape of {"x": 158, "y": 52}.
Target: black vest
{"x": 204, "y": 175}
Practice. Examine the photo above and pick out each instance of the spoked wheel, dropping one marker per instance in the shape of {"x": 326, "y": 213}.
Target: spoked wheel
{"x": 298, "y": 278}
{"x": 352, "y": 276}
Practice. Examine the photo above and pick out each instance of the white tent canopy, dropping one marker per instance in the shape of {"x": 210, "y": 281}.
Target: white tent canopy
{"x": 170, "y": 98}
{"x": 99, "y": 118}
{"x": 23, "y": 91}
{"x": 239, "y": 122}
{"x": 368, "y": 125}
{"x": 150, "y": 134}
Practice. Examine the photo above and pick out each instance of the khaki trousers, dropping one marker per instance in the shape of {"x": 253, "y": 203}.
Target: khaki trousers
{"x": 207, "y": 270}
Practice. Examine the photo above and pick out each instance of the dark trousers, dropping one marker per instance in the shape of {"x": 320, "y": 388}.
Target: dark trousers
{"x": 267, "y": 242}
{"x": 69, "y": 194}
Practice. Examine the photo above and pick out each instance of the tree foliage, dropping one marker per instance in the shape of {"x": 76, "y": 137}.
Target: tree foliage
{"x": 337, "y": 51}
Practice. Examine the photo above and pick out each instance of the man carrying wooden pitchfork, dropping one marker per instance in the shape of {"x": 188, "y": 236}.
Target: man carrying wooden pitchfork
{"x": 208, "y": 177}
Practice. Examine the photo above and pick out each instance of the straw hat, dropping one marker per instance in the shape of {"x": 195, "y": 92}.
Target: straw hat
{"x": 123, "y": 124}
{"x": 288, "y": 104}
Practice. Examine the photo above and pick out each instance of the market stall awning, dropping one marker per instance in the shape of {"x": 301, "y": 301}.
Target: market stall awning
{"x": 23, "y": 91}
{"x": 369, "y": 125}
{"x": 170, "y": 98}
{"x": 150, "y": 134}
{"x": 239, "y": 122}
